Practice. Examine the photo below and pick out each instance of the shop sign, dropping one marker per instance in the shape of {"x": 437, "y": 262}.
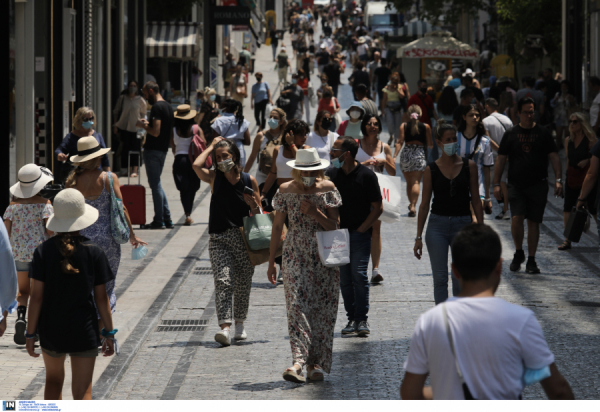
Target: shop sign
{"x": 239, "y": 16}
{"x": 440, "y": 53}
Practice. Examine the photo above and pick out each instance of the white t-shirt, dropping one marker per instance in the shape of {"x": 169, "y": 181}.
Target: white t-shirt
{"x": 494, "y": 341}
{"x": 594, "y": 109}
{"x": 497, "y": 124}
{"x": 228, "y": 127}
{"x": 322, "y": 144}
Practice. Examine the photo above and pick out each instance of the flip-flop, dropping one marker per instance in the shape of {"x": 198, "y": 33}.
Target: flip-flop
{"x": 292, "y": 375}
{"x": 316, "y": 374}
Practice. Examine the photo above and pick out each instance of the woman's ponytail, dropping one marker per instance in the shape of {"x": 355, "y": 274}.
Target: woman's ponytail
{"x": 67, "y": 248}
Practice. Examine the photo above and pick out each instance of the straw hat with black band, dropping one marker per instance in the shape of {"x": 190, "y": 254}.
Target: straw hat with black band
{"x": 32, "y": 179}
{"x": 88, "y": 148}
{"x": 308, "y": 159}
{"x": 184, "y": 112}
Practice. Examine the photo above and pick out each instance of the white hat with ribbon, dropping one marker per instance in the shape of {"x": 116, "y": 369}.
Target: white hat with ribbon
{"x": 308, "y": 159}
{"x": 32, "y": 179}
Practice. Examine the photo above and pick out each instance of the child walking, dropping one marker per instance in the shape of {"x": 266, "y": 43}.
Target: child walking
{"x": 69, "y": 275}
{"x": 25, "y": 220}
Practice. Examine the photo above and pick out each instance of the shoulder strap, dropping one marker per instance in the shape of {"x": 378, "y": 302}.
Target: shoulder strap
{"x": 499, "y": 121}
{"x": 110, "y": 182}
{"x": 246, "y": 179}
{"x": 477, "y": 142}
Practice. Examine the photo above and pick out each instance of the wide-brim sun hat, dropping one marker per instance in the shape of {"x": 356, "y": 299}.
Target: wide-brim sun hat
{"x": 88, "y": 148}
{"x": 469, "y": 73}
{"x": 32, "y": 179}
{"x": 71, "y": 213}
{"x": 308, "y": 159}
{"x": 361, "y": 40}
{"x": 184, "y": 112}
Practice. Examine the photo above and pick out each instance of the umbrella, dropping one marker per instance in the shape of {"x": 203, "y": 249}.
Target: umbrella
{"x": 438, "y": 44}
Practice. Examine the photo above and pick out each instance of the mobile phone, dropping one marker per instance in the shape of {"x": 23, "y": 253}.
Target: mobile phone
{"x": 248, "y": 191}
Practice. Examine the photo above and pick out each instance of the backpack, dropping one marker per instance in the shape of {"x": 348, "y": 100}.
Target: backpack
{"x": 282, "y": 60}
{"x": 266, "y": 155}
{"x": 284, "y": 104}
{"x": 198, "y": 146}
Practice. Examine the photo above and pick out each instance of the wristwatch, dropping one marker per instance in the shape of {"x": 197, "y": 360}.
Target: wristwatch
{"x": 559, "y": 181}
{"x": 28, "y": 336}
{"x": 418, "y": 238}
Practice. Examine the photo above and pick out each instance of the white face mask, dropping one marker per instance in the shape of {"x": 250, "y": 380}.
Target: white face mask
{"x": 308, "y": 181}
{"x": 354, "y": 114}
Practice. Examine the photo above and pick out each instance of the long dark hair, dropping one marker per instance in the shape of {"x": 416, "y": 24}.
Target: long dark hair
{"x": 182, "y": 126}
{"x": 126, "y": 89}
{"x": 366, "y": 119}
{"x": 233, "y": 106}
{"x": 67, "y": 248}
{"x": 448, "y": 101}
{"x": 462, "y": 126}
{"x": 296, "y": 126}
{"x": 233, "y": 151}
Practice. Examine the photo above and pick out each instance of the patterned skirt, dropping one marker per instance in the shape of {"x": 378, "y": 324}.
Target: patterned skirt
{"x": 412, "y": 158}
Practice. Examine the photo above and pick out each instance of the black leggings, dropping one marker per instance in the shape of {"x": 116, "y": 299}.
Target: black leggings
{"x": 130, "y": 143}
{"x": 259, "y": 113}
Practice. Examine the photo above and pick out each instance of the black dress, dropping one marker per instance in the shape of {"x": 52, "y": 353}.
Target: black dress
{"x": 575, "y": 176}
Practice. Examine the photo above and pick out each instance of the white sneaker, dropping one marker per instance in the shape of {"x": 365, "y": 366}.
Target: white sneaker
{"x": 223, "y": 337}
{"x": 240, "y": 332}
{"x": 376, "y": 277}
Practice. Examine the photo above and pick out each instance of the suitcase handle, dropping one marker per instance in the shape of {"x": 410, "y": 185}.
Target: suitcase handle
{"x": 129, "y": 167}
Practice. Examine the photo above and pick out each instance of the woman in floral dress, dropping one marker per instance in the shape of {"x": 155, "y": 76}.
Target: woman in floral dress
{"x": 311, "y": 289}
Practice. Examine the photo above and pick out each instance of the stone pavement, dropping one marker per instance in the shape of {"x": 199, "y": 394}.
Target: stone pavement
{"x": 169, "y": 351}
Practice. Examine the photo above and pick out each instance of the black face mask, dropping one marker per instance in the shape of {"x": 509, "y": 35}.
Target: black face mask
{"x": 326, "y": 123}
{"x": 423, "y": 90}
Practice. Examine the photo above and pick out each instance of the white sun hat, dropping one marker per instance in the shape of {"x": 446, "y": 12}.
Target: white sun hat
{"x": 308, "y": 159}
{"x": 32, "y": 179}
{"x": 71, "y": 213}
{"x": 88, "y": 148}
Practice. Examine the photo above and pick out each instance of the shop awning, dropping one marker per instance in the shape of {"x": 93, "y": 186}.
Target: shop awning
{"x": 416, "y": 28}
{"x": 437, "y": 44}
{"x": 172, "y": 40}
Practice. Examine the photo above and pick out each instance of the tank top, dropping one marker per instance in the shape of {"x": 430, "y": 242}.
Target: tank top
{"x": 451, "y": 197}
{"x": 393, "y": 96}
{"x": 579, "y": 153}
{"x": 362, "y": 156}
{"x": 227, "y": 205}
{"x": 182, "y": 144}
{"x": 283, "y": 170}
{"x": 421, "y": 137}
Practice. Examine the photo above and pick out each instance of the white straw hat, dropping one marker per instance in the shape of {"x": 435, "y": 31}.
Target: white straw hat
{"x": 88, "y": 148}
{"x": 71, "y": 213}
{"x": 308, "y": 159}
{"x": 32, "y": 179}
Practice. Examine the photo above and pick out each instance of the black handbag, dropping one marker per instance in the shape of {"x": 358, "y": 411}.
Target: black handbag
{"x": 576, "y": 224}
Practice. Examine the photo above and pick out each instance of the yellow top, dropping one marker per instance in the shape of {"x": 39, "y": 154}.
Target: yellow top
{"x": 393, "y": 96}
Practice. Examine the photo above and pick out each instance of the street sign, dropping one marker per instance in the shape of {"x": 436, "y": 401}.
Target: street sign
{"x": 222, "y": 15}
{"x": 214, "y": 69}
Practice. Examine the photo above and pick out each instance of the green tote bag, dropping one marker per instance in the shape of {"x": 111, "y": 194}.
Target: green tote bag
{"x": 257, "y": 230}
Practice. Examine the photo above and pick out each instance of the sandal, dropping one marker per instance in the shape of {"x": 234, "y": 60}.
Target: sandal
{"x": 316, "y": 374}
{"x": 133, "y": 175}
{"x": 411, "y": 213}
{"x": 565, "y": 246}
{"x": 188, "y": 221}
{"x": 294, "y": 375}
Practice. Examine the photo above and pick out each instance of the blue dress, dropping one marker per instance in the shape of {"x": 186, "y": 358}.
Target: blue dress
{"x": 100, "y": 234}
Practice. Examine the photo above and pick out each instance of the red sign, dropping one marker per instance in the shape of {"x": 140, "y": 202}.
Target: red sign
{"x": 308, "y": 4}
{"x": 440, "y": 53}
{"x": 230, "y": 2}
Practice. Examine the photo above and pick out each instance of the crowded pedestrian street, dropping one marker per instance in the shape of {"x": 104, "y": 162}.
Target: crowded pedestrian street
{"x": 198, "y": 319}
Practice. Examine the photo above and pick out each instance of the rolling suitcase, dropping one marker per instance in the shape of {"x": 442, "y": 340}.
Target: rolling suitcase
{"x": 134, "y": 196}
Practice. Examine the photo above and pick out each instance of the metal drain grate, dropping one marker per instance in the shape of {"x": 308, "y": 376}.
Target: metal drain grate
{"x": 584, "y": 303}
{"x": 182, "y": 325}
{"x": 202, "y": 271}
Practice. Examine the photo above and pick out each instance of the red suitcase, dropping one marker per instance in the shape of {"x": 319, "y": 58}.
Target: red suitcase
{"x": 134, "y": 196}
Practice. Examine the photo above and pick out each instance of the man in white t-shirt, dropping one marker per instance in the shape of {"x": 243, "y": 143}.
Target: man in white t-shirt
{"x": 497, "y": 124}
{"x": 493, "y": 342}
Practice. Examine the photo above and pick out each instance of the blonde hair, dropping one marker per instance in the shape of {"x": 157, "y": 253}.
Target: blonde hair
{"x": 80, "y": 114}
{"x": 91, "y": 164}
{"x": 297, "y": 175}
{"x": 209, "y": 92}
{"x": 282, "y": 116}
{"x": 585, "y": 126}
{"x": 414, "y": 123}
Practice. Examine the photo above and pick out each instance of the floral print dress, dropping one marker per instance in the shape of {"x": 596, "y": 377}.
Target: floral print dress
{"x": 311, "y": 289}
{"x": 101, "y": 235}
{"x": 28, "y": 229}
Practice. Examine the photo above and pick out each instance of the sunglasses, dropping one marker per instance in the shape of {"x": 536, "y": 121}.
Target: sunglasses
{"x": 531, "y": 113}
{"x": 373, "y": 124}
{"x": 87, "y": 119}
{"x": 573, "y": 121}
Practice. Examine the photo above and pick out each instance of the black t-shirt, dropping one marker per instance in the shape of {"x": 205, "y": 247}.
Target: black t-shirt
{"x": 527, "y": 151}
{"x": 68, "y": 320}
{"x": 332, "y": 70}
{"x": 327, "y": 31}
{"x": 595, "y": 151}
{"x": 478, "y": 94}
{"x": 383, "y": 76}
{"x": 360, "y": 77}
{"x": 274, "y": 39}
{"x": 164, "y": 112}
{"x": 358, "y": 189}
{"x": 323, "y": 57}
{"x": 457, "y": 116}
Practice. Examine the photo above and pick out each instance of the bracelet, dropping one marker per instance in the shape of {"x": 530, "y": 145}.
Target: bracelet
{"x": 496, "y": 184}
{"x": 28, "y": 336}
{"x": 582, "y": 200}
{"x": 110, "y": 334}
{"x": 487, "y": 200}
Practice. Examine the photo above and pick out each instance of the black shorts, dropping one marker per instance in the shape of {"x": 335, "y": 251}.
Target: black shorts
{"x": 571, "y": 196}
{"x": 529, "y": 201}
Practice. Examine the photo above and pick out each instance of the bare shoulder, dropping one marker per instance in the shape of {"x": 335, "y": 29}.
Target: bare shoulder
{"x": 327, "y": 185}
{"x": 287, "y": 187}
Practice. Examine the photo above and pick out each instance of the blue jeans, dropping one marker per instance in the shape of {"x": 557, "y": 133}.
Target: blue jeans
{"x": 354, "y": 281}
{"x": 439, "y": 236}
{"x": 155, "y": 161}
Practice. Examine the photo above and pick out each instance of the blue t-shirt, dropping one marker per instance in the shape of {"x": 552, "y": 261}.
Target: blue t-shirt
{"x": 259, "y": 90}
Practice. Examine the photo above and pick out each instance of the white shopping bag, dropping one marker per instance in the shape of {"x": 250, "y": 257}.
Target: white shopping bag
{"x": 334, "y": 247}
{"x": 268, "y": 110}
{"x": 390, "y": 192}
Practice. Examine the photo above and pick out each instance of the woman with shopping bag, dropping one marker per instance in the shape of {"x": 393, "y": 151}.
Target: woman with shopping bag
{"x": 231, "y": 201}
{"x": 311, "y": 288}
{"x": 453, "y": 182}
{"x": 377, "y": 156}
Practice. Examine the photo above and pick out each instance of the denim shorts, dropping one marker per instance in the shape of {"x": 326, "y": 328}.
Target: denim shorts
{"x": 90, "y": 353}
{"x": 22, "y": 266}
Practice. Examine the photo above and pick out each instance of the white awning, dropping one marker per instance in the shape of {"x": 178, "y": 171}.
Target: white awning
{"x": 172, "y": 40}
{"x": 416, "y": 28}
{"x": 437, "y": 44}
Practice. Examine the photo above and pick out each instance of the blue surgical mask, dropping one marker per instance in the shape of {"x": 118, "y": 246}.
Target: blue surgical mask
{"x": 139, "y": 253}
{"x": 213, "y": 97}
{"x": 451, "y": 148}
{"x": 87, "y": 125}
{"x": 308, "y": 181}
{"x": 273, "y": 123}
{"x": 336, "y": 162}
{"x": 294, "y": 81}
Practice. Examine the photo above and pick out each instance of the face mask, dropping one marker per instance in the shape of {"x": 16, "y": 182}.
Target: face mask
{"x": 451, "y": 148}
{"x": 326, "y": 123}
{"x": 220, "y": 111}
{"x": 258, "y": 79}
{"x": 336, "y": 162}
{"x": 87, "y": 125}
{"x": 323, "y": 81}
{"x": 423, "y": 90}
{"x": 226, "y": 165}
{"x": 349, "y": 32}
{"x": 132, "y": 90}
{"x": 294, "y": 81}
{"x": 273, "y": 123}
{"x": 213, "y": 97}
{"x": 308, "y": 181}
{"x": 354, "y": 114}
